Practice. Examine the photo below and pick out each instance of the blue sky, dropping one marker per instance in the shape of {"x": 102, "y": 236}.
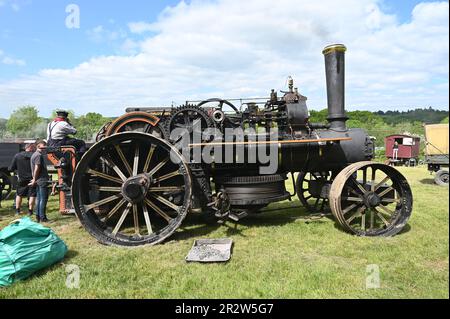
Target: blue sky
{"x": 35, "y": 31}
{"x": 35, "y": 46}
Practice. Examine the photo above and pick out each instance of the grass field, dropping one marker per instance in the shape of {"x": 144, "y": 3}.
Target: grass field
{"x": 278, "y": 254}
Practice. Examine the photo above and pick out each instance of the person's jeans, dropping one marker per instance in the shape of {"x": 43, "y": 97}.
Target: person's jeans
{"x": 42, "y": 198}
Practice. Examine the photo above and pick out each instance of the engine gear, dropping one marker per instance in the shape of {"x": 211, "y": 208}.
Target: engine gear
{"x": 184, "y": 117}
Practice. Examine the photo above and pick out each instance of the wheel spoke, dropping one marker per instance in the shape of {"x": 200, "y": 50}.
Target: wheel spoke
{"x": 159, "y": 166}
{"x": 114, "y": 210}
{"x": 351, "y": 190}
{"x": 386, "y": 191}
{"x": 363, "y": 222}
{"x": 102, "y": 202}
{"x": 109, "y": 189}
{"x": 381, "y": 217}
{"x": 116, "y": 169}
{"x": 384, "y": 181}
{"x": 391, "y": 200}
{"x": 124, "y": 160}
{"x": 353, "y": 199}
{"x": 147, "y": 219}
{"x": 168, "y": 189}
{"x": 104, "y": 176}
{"x": 374, "y": 176}
{"x": 360, "y": 187}
{"x": 387, "y": 210}
{"x": 158, "y": 210}
{"x": 149, "y": 158}
{"x": 136, "y": 220}
{"x": 121, "y": 220}
{"x": 167, "y": 176}
{"x": 166, "y": 202}
{"x": 349, "y": 208}
{"x": 357, "y": 214}
{"x": 136, "y": 161}
{"x": 372, "y": 219}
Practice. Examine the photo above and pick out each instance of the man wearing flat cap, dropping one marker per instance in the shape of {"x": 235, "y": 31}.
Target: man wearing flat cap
{"x": 59, "y": 130}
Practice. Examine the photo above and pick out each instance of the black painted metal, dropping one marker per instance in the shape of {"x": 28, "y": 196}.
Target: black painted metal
{"x": 335, "y": 74}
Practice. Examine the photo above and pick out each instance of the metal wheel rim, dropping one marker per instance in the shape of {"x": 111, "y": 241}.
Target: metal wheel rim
{"x": 137, "y": 122}
{"x": 111, "y": 220}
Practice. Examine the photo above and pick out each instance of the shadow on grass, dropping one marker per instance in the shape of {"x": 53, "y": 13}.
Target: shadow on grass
{"x": 427, "y": 181}
{"x": 280, "y": 214}
{"x": 406, "y": 229}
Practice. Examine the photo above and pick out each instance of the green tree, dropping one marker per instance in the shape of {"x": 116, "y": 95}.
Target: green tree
{"x": 445, "y": 121}
{"x": 88, "y": 125}
{"x": 25, "y": 122}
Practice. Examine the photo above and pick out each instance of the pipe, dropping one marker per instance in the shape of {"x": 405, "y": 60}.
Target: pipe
{"x": 335, "y": 74}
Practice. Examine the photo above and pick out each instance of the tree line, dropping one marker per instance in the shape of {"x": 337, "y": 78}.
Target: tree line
{"x": 25, "y": 122}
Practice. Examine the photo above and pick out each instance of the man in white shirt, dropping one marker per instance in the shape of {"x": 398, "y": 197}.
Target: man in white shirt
{"x": 59, "y": 130}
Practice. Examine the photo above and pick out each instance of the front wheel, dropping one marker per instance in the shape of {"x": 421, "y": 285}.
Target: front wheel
{"x": 369, "y": 199}
{"x": 132, "y": 189}
{"x": 442, "y": 178}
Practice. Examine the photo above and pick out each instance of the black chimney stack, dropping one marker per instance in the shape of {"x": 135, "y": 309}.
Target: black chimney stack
{"x": 335, "y": 73}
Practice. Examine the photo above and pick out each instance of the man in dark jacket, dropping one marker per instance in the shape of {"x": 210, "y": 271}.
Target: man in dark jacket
{"x": 21, "y": 165}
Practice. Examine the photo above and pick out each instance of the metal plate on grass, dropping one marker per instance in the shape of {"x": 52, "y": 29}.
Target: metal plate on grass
{"x": 210, "y": 251}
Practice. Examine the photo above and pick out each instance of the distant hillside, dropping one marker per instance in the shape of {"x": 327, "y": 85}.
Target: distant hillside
{"x": 428, "y": 116}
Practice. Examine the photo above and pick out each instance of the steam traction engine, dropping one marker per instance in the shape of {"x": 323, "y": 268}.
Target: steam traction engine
{"x": 134, "y": 187}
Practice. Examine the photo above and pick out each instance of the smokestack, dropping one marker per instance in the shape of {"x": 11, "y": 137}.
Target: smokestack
{"x": 335, "y": 73}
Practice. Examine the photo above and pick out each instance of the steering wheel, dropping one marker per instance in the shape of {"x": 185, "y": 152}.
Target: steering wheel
{"x": 221, "y": 104}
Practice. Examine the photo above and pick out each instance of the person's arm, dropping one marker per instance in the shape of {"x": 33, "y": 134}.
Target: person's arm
{"x": 36, "y": 171}
{"x": 68, "y": 129}
{"x": 13, "y": 166}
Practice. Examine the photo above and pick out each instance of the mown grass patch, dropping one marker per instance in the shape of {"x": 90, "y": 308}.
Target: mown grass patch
{"x": 277, "y": 254}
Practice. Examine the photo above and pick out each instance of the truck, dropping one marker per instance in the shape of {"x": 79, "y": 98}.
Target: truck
{"x": 437, "y": 159}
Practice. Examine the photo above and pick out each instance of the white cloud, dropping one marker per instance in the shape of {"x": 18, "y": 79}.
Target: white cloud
{"x": 11, "y": 61}
{"x": 5, "y": 59}
{"x": 140, "y": 27}
{"x": 13, "y": 4}
{"x": 101, "y": 34}
{"x": 232, "y": 48}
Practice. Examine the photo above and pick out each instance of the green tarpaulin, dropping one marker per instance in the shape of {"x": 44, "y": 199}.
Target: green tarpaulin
{"x": 25, "y": 248}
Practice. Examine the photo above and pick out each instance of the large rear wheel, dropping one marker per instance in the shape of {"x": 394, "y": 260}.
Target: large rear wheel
{"x": 132, "y": 189}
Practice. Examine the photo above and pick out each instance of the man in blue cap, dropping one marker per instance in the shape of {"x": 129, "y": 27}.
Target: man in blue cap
{"x": 59, "y": 130}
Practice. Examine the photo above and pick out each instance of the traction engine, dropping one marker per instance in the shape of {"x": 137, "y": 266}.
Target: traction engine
{"x": 140, "y": 180}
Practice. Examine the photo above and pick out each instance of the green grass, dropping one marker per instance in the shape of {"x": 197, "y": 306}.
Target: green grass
{"x": 278, "y": 254}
